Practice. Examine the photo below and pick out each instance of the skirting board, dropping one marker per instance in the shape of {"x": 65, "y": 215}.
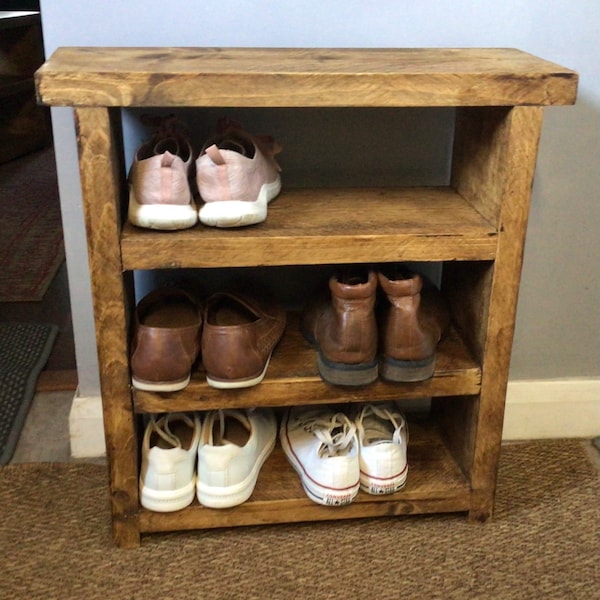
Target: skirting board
{"x": 546, "y": 409}
{"x": 539, "y": 409}
{"x": 86, "y": 427}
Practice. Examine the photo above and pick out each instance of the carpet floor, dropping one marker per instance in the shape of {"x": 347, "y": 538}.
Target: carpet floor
{"x": 542, "y": 543}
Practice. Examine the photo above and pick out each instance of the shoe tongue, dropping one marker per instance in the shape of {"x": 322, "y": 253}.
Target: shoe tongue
{"x": 167, "y": 159}
{"x": 377, "y": 431}
{"x": 215, "y": 155}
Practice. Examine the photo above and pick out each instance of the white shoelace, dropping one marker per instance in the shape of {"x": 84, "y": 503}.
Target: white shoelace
{"x": 335, "y": 431}
{"x": 372, "y": 423}
{"x": 222, "y": 415}
{"x": 161, "y": 428}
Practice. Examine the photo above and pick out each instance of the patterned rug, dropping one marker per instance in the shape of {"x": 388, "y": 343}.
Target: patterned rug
{"x": 24, "y": 350}
{"x": 31, "y": 237}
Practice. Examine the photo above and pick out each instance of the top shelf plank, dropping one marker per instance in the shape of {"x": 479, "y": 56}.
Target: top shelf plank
{"x": 292, "y": 77}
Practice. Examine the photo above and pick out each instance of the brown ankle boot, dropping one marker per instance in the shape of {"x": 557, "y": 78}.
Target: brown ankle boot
{"x": 344, "y": 329}
{"x": 411, "y": 325}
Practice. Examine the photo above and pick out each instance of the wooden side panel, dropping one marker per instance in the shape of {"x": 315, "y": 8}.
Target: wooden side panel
{"x": 101, "y": 178}
{"x": 498, "y": 182}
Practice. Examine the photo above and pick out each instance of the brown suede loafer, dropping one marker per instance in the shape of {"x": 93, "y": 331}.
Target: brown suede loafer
{"x": 166, "y": 340}
{"x": 238, "y": 339}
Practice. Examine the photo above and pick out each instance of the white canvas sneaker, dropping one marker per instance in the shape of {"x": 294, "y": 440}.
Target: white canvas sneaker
{"x": 233, "y": 447}
{"x": 169, "y": 449}
{"x": 383, "y": 438}
{"x": 322, "y": 446}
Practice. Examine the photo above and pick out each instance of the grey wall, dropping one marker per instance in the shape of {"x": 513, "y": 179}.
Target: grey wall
{"x": 558, "y": 323}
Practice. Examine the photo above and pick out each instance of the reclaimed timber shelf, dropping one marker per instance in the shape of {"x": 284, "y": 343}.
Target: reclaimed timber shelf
{"x": 475, "y": 226}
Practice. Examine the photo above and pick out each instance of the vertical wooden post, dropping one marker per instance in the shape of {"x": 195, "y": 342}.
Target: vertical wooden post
{"x": 494, "y": 163}
{"x": 102, "y": 184}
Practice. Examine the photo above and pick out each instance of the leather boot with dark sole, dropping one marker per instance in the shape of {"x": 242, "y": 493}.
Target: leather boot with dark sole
{"x": 344, "y": 329}
{"x": 411, "y": 324}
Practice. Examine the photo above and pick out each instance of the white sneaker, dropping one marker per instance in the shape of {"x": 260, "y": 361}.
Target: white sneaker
{"x": 383, "y": 438}
{"x": 322, "y": 446}
{"x": 233, "y": 447}
{"x": 169, "y": 448}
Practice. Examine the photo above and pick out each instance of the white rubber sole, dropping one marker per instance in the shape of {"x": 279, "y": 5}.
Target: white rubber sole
{"x": 168, "y": 217}
{"x": 239, "y": 213}
{"x": 166, "y": 386}
{"x": 167, "y": 501}
{"x": 327, "y": 496}
{"x": 233, "y": 495}
{"x": 378, "y": 486}
{"x": 234, "y": 384}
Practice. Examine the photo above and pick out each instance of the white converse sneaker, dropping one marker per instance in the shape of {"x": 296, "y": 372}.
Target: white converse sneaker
{"x": 383, "y": 437}
{"x": 233, "y": 447}
{"x": 321, "y": 445}
{"x": 169, "y": 448}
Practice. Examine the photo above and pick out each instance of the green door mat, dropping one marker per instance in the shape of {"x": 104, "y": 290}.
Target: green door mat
{"x": 24, "y": 350}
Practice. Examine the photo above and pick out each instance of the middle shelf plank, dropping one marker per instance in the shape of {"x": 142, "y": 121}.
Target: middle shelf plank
{"x": 292, "y": 379}
{"x": 378, "y": 224}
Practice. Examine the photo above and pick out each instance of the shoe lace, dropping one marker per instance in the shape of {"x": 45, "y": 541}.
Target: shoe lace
{"x": 229, "y": 129}
{"x": 222, "y": 415}
{"x": 161, "y": 428}
{"x": 378, "y": 429}
{"x": 335, "y": 431}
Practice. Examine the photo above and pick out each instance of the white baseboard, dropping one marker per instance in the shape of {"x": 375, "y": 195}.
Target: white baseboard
{"x": 545, "y": 409}
{"x": 539, "y": 409}
{"x": 86, "y": 427}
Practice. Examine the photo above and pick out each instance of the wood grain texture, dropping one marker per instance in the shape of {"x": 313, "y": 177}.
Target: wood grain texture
{"x": 292, "y": 379}
{"x": 101, "y": 191}
{"x": 509, "y": 189}
{"x": 323, "y": 226}
{"x": 476, "y": 226}
{"x": 301, "y": 77}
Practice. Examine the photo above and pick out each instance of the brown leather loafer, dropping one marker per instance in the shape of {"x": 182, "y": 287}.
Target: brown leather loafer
{"x": 411, "y": 324}
{"x": 166, "y": 340}
{"x": 238, "y": 339}
{"x": 344, "y": 329}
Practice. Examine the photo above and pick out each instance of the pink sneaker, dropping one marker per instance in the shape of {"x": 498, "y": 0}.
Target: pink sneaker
{"x": 159, "y": 190}
{"x": 237, "y": 177}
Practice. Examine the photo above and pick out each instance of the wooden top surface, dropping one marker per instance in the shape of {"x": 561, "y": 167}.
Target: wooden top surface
{"x": 268, "y": 77}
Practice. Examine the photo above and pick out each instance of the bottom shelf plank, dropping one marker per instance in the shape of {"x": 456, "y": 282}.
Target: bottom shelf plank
{"x": 435, "y": 484}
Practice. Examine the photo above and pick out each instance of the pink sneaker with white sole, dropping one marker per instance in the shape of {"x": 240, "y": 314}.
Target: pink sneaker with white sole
{"x": 159, "y": 190}
{"x": 237, "y": 177}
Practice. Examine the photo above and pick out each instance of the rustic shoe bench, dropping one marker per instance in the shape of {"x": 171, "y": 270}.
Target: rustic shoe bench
{"x": 475, "y": 226}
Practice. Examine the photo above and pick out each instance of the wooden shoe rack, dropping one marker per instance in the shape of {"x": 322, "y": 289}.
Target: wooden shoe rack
{"x": 475, "y": 226}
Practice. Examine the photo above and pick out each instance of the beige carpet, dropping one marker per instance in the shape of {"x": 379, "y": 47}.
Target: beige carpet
{"x": 543, "y": 543}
